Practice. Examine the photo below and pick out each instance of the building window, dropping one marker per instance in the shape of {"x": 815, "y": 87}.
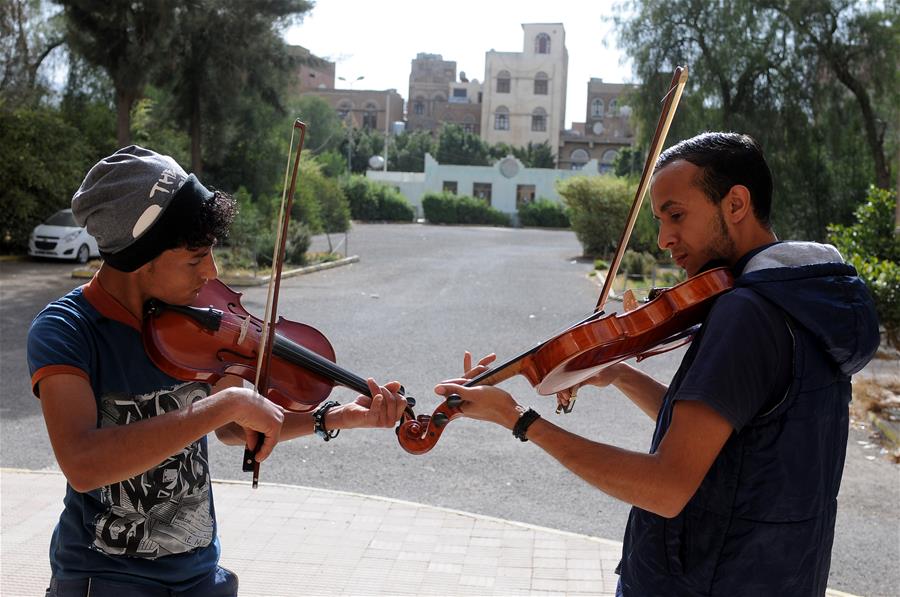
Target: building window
{"x": 419, "y": 108}
{"x": 579, "y": 158}
{"x": 542, "y": 43}
{"x": 539, "y": 120}
{"x": 459, "y": 92}
{"x": 597, "y": 108}
{"x": 503, "y": 82}
{"x": 540, "y": 84}
{"x": 344, "y": 109}
{"x": 450, "y": 186}
{"x": 482, "y": 190}
{"x": 501, "y": 119}
{"x": 613, "y": 108}
{"x": 524, "y": 194}
{"x": 370, "y": 116}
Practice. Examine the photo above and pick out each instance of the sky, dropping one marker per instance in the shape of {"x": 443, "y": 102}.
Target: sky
{"x": 379, "y": 39}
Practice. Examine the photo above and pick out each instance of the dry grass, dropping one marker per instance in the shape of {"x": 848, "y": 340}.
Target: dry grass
{"x": 880, "y": 397}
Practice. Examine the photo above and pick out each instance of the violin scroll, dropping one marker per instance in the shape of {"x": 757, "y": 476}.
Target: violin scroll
{"x": 420, "y": 434}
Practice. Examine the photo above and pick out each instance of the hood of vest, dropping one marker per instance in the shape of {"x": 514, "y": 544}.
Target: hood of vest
{"x": 812, "y": 283}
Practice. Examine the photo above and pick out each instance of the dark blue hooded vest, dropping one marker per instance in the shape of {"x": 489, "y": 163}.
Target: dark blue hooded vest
{"x": 762, "y": 520}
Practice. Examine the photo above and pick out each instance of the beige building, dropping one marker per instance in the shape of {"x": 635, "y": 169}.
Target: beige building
{"x": 607, "y": 128}
{"x": 436, "y": 96}
{"x": 524, "y": 93}
{"x": 365, "y": 108}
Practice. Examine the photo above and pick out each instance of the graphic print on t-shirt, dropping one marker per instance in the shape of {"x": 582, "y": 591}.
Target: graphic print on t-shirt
{"x": 165, "y": 510}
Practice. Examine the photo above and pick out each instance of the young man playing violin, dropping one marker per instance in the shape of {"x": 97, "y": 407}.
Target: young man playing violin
{"x": 138, "y": 514}
{"x": 737, "y": 495}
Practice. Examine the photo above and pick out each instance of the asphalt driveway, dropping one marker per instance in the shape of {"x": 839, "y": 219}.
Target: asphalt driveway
{"x": 417, "y": 298}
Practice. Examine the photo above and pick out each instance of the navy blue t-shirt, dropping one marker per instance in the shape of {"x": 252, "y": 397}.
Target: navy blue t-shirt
{"x": 158, "y": 527}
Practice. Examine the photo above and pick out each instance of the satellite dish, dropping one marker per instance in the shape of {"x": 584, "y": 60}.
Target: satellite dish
{"x": 376, "y": 162}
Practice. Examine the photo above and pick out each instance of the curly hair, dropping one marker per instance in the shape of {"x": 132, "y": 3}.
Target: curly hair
{"x": 203, "y": 223}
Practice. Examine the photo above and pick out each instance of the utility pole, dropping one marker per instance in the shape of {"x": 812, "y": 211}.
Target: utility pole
{"x": 387, "y": 126}
{"x": 350, "y": 126}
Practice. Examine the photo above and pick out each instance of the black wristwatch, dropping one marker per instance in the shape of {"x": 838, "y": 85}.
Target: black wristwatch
{"x": 525, "y": 420}
{"x": 319, "y": 421}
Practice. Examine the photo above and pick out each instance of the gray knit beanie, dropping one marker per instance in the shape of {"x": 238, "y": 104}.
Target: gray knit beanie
{"x": 124, "y": 202}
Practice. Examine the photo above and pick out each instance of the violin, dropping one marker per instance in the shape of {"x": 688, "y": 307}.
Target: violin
{"x": 599, "y": 340}
{"x": 290, "y": 363}
{"x": 217, "y": 336}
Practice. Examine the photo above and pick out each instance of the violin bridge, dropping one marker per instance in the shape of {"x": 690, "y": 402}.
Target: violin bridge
{"x": 244, "y": 328}
{"x": 629, "y": 303}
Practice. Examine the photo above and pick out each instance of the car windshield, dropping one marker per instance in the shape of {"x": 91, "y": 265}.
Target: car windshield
{"x": 62, "y": 218}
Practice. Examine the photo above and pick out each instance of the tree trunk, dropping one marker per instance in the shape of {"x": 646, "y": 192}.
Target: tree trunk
{"x": 196, "y": 151}
{"x": 124, "y": 101}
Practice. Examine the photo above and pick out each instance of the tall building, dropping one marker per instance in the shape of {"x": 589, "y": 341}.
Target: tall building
{"x": 429, "y": 84}
{"x": 524, "y": 93}
{"x": 607, "y": 128}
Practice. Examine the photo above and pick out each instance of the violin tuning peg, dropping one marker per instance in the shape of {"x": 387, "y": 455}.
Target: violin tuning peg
{"x": 439, "y": 420}
{"x": 454, "y": 401}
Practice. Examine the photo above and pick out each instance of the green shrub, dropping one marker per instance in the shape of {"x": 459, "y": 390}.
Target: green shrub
{"x": 873, "y": 248}
{"x": 601, "y": 264}
{"x": 391, "y": 205}
{"x": 447, "y": 208}
{"x": 376, "y": 202}
{"x": 598, "y": 207}
{"x": 544, "y": 213}
{"x": 440, "y": 208}
{"x": 636, "y": 263}
{"x": 298, "y": 241}
{"x": 363, "y": 203}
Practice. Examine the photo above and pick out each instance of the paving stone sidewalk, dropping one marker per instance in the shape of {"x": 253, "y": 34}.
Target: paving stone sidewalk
{"x": 288, "y": 540}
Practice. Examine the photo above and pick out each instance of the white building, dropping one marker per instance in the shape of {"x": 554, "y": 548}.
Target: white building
{"x": 504, "y": 186}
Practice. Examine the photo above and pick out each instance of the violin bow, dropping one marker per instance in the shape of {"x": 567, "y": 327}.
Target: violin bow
{"x": 271, "y": 312}
{"x": 670, "y": 104}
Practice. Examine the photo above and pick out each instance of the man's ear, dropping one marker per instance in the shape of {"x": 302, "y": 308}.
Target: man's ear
{"x": 737, "y": 204}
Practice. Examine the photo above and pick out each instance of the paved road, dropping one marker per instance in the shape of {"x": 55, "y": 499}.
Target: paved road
{"x": 419, "y": 296}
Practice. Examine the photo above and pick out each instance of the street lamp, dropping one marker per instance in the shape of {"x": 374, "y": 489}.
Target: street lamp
{"x": 350, "y": 126}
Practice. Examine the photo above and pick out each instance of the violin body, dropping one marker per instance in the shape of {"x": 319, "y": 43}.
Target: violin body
{"x": 582, "y": 351}
{"x": 217, "y": 336}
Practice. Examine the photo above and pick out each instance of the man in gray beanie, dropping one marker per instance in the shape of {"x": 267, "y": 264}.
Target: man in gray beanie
{"x": 139, "y": 516}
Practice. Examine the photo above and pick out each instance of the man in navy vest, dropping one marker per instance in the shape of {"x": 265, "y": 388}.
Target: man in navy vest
{"x": 738, "y": 493}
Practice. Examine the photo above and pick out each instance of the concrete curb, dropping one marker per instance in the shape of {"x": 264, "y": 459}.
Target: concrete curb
{"x": 88, "y": 272}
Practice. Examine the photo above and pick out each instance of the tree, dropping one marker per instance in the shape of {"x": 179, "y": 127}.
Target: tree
{"x": 751, "y": 71}
{"x": 538, "y": 155}
{"x": 29, "y": 32}
{"x": 861, "y": 49}
{"x": 325, "y": 131}
{"x": 127, "y": 39}
{"x": 407, "y": 150}
{"x": 456, "y": 146}
{"x": 224, "y": 52}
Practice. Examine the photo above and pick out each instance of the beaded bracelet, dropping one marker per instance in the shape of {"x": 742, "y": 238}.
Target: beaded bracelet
{"x": 319, "y": 421}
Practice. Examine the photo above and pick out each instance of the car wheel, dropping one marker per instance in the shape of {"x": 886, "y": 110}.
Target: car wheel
{"x": 84, "y": 253}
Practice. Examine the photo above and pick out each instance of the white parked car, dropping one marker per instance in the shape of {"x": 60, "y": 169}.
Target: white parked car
{"x": 61, "y": 238}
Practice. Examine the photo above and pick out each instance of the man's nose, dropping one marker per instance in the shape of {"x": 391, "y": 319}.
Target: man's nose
{"x": 664, "y": 238}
